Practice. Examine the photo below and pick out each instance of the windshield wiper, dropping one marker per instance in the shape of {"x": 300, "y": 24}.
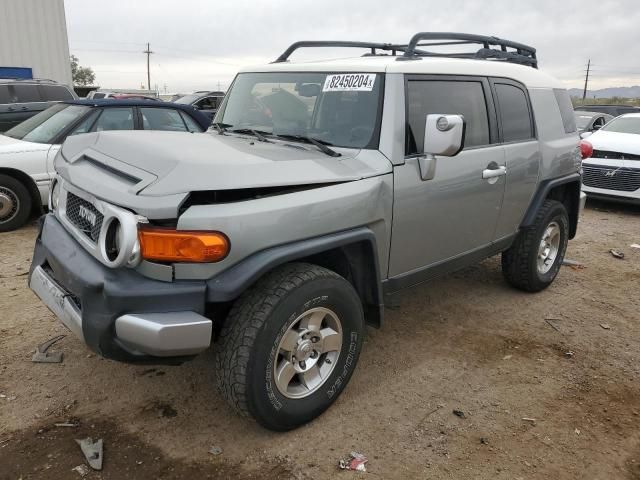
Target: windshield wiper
{"x": 259, "y": 134}
{"x": 321, "y": 144}
{"x": 221, "y": 127}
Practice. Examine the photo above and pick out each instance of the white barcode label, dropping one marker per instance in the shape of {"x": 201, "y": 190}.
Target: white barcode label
{"x": 349, "y": 82}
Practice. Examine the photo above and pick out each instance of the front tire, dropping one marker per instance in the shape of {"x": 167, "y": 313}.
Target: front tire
{"x": 15, "y": 204}
{"x": 289, "y": 345}
{"x": 534, "y": 259}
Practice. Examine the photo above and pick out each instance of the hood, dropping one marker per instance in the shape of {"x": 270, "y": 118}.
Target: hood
{"x": 171, "y": 163}
{"x": 615, "y": 142}
{"x": 12, "y": 145}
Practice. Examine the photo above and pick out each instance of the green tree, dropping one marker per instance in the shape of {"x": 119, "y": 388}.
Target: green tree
{"x": 81, "y": 75}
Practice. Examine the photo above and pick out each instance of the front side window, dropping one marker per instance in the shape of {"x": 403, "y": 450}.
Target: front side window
{"x": 624, "y": 125}
{"x": 208, "y": 103}
{"x": 115, "y": 119}
{"x": 514, "y": 113}
{"x": 334, "y": 108}
{"x": 466, "y": 98}
{"x": 48, "y": 124}
{"x": 162, "y": 119}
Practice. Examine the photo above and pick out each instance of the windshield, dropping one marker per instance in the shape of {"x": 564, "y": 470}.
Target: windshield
{"x": 336, "y": 109}
{"x": 187, "y": 99}
{"x": 48, "y": 124}
{"x": 624, "y": 125}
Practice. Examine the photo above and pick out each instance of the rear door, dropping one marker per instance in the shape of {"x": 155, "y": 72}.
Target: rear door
{"x": 522, "y": 152}
{"x": 27, "y": 101}
{"x": 456, "y": 212}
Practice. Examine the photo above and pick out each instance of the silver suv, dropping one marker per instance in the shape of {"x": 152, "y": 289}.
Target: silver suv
{"x": 322, "y": 188}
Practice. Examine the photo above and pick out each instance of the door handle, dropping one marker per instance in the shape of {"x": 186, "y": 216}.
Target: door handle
{"x": 494, "y": 172}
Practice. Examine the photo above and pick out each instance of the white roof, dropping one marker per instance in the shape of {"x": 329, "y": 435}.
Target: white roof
{"x": 531, "y": 77}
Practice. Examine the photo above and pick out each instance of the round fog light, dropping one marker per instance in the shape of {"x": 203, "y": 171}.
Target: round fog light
{"x": 113, "y": 240}
{"x": 55, "y": 195}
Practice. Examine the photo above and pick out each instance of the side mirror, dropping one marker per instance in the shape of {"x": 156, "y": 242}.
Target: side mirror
{"x": 444, "y": 136}
{"x": 586, "y": 134}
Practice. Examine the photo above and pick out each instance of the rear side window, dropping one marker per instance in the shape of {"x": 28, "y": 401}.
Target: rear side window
{"x": 566, "y": 110}
{"x": 98, "y": 95}
{"x": 162, "y": 119}
{"x": 26, "y": 93}
{"x": 53, "y": 93}
{"x": 514, "y": 113}
{"x": 465, "y": 98}
{"x": 115, "y": 119}
{"x": 4, "y": 94}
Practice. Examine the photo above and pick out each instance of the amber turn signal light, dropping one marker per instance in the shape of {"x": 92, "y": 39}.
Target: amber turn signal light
{"x": 167, "y": 245}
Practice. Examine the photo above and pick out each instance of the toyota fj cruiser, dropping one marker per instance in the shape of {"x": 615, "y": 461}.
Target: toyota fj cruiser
{"x": 323, "y": 187}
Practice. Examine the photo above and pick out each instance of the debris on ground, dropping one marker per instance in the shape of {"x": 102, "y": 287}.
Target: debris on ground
{"x": 549, "y": 320}
{"x": 83, "y": 470}
{"x": 577, "y": 431}
{"x": 530, "y": 420}
{"x": 576, "y": 265}
{"x": 606, "y": 326}
{"x": 484, "y": 440}
{"x": 355, "y": 461}
{"x": 215, "y": 450}
{"x": 42, "y": 355}
{"x": 634, "y": 245}
{"x": 507, "y": 357}
{"x": 459, "y": 413}
{"x": 569, "y": 354}
{"x": 616, "y": 253}
{"x": 92, "y": 452}
{"x": 70, "y": 424}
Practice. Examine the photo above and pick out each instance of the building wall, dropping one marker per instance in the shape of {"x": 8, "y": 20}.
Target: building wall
{"x": 33, "y": 34}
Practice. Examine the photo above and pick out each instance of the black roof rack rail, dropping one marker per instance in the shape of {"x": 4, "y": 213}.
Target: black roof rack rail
{"x": 520, "y": 53}
{"x": 389, "y": 47}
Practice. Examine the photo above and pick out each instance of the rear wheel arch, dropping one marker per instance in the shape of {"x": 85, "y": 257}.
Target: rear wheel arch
{"x": 565, "y": 190}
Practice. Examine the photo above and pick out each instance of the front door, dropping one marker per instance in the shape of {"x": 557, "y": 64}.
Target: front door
{"x": 456, "y": 212}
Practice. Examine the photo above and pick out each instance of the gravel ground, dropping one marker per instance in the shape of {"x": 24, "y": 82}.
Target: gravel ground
{"x": 548, "y": 383}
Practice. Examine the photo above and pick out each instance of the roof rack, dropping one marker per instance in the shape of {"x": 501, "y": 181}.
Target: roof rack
{"x": 389, "y": 47}
{"x": 522, "y": 54}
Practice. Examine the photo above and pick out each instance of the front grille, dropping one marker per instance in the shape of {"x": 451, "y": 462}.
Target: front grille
{"x": 84, "y": 216}
{"x": 611, "y": 178}
{"x": 608, "y": 155}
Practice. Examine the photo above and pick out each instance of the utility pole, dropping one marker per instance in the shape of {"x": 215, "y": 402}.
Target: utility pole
{"x": 586, "y": 81}
{"x": 148, "y": 52}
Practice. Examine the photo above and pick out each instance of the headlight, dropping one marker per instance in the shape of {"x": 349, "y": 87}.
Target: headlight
{"x": 54, "y": 195}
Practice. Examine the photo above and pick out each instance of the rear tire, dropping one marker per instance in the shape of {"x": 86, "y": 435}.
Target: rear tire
{"x": 534, "y": 259}
{"x": 289, "y": 345}
{"x": 15, "y": 203}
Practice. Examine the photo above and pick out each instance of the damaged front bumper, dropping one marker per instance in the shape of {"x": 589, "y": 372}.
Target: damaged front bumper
{"x": 118, "y": 313}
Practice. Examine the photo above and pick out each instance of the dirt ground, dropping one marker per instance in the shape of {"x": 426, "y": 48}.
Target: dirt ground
{"x": 549, "y": 384}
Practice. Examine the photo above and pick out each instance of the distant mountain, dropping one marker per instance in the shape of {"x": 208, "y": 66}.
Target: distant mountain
{"x": 626, "y": 92}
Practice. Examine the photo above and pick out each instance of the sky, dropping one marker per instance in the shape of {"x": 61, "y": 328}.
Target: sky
{"x": 201, "y": 44}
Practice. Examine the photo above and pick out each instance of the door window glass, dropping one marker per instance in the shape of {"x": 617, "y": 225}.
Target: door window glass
{"x": 514, "y": 112}
{"x": 52, "y": 93}
{"x": 162, "y": 119}
{"x": 192, "y": 125}
{"x": 464, "y": 98}
{"x": 115, "y": 119}
{"x": 26, "y": 93}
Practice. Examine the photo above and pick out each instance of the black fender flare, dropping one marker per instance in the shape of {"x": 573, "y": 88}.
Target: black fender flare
{"x": 571, "y": 199}
{"x": 359, "y": 246}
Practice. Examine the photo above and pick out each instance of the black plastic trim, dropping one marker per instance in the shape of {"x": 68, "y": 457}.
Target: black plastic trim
{"x": 541, "y": 195}
{"x": 425, "y": 274}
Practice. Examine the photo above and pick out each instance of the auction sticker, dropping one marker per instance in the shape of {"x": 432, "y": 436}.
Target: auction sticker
{"x": 349, "y": 82}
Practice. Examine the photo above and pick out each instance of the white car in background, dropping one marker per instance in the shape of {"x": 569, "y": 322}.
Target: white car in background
{"x": 612, "y": 171}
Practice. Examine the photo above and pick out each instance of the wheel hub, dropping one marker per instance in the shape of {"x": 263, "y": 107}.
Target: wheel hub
{"x": 308, "y": 353}
{"x": 549, "y": 247}
{"x": 8, "y": 204}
